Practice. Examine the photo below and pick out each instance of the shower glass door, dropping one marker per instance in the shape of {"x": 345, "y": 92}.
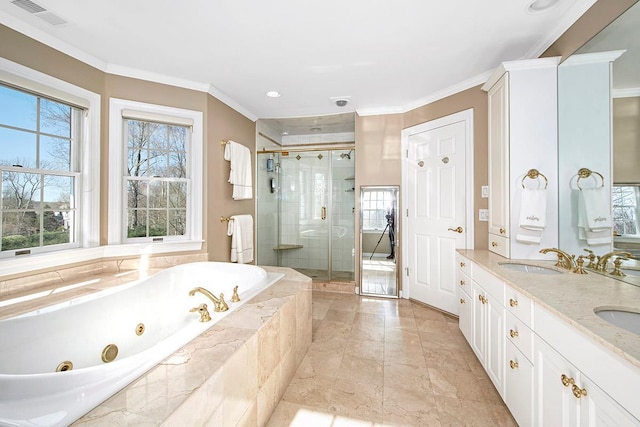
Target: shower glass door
{"x": 305, "y": 183}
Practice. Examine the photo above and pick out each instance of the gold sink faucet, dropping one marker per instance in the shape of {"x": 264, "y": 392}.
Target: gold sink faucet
{"x": 604, "y": 259}
{"x": 218, "y": 303}
{"x": 564, "y": 259}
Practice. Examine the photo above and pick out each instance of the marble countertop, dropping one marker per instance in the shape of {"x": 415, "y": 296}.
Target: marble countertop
{"x": 573, "y": 298}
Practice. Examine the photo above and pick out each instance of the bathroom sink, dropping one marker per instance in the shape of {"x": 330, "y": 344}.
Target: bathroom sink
{"x": 628, "y": 320}
{"x": 631, "y": 271}
{"x": 528, "y": 268}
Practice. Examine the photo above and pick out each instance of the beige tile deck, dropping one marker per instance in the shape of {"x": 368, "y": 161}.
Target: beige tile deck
{"x": 380, "y": 362}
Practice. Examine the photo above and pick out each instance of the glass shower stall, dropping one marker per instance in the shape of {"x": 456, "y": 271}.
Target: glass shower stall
{"x": 306, "y": 212}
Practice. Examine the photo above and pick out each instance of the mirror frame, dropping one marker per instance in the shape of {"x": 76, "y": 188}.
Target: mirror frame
{"x": 396, "y": 230}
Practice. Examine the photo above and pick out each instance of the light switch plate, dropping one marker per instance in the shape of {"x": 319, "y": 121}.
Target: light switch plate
{"x": 485, "y": 191}
{"x": 483, "y": 214}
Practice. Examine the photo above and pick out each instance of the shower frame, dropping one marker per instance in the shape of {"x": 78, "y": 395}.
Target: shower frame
{"x": 330, "y": 189}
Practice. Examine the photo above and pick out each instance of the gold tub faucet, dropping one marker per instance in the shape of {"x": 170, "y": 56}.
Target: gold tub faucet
{"x": 564, "y": 259}
{"x": 218, "y": 303}
{"x": 204, "y": 313}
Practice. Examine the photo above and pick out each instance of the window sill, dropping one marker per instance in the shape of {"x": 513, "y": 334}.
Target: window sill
{"x": 27, "y": 263}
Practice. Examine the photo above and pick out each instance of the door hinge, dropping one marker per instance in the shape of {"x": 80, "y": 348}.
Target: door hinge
{"x": 407, "y": 213}
{"x": 406, "y": 153}
{"x": 407, "y": 271}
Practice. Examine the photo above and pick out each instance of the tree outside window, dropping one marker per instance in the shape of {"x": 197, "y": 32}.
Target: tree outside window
{"x": 156, "y": 179}
{"x": 625, "y": 209}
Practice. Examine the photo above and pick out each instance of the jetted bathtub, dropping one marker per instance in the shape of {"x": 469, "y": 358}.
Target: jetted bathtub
{"x": 147, "y": 320}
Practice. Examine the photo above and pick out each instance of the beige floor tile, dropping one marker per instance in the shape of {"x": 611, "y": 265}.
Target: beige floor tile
{"x": 378, "y": 362}
{"x": 314, "y": 391}
{"x": 408, "y": 377}
{"x": 409, "y": 408}
{"x": 357, "y": 400}
{"x": 367, "y": 348}
{"x": 359, "y": 369}
{"x": 405, "y": 354}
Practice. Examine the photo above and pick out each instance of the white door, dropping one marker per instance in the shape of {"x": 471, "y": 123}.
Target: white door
{"x": 436, "y": 202}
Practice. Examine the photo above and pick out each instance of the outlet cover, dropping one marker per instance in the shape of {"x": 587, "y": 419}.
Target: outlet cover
{"x": 483, "y": 214}
{"x": 485, "y": 191}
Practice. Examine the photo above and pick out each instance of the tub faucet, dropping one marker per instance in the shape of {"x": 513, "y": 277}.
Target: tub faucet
{"x": 218, "y": 303}
{"x": 564, "y": 259}
{"x": 604, "y": 259}
{"x": 204, "y": 313}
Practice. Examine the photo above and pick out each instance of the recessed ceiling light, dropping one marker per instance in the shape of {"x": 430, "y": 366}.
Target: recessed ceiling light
{"x": 274, "y": 94}
{"x": 541, "y": 6}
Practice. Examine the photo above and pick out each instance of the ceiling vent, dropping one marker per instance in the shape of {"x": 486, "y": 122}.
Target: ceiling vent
{"x": 39, "y": 11}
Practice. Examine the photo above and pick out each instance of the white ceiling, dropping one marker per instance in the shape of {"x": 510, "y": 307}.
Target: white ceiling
{"x": 386, "y": 56}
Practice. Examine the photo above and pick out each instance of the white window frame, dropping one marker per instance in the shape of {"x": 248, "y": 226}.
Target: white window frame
{"x": 89, "y": 191}
{"x": 118, "y": 243}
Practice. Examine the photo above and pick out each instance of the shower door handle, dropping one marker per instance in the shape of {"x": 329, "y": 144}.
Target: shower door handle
{"x": 323, "y": 213}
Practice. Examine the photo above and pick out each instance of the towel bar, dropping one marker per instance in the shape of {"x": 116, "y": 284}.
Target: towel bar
{"x": 535, "y": 174}
{"x": 223, "y": 142}
{"x": 225, "y": 218}
{"x": 586, "y": 173}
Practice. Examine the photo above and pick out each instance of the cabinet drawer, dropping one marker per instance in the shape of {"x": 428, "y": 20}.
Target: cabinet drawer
{"x": 499, "y": 245}
{"x": 519, "y": 335}
{"x": 519, "y": 386}
{"x": 464, "y": 283}
{"x": 464, "y": 264}
{"x": 519, "y": 305}
{"x": 490, "y": 283}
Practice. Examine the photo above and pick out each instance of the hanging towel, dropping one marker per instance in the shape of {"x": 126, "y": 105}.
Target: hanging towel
{"x": 533, "y": 215}
{"x": 240, "y": 229}
{"x": 240, "y": 175}
{"x": 594, "y": 216}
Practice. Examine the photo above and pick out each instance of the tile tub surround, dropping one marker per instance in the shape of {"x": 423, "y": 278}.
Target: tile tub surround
{"x": 233, "y": 374}
{"x": 572, "y": 297}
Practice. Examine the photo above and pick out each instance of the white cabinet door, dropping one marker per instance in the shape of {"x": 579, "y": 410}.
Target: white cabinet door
{"x": 479, "y": 322}
{"x": 495, "y": 340}
{"x": 518, "y": 390}
{"x": 465, "y": 311}
{"x": 499, "y": 158}
{"x": 555, "y": 403}
{"x": 597, "y": 409}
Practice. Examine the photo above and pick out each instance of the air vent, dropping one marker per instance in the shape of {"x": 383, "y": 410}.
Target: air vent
{"x": 39, "y": 11}
{"x": 29, "y": 6}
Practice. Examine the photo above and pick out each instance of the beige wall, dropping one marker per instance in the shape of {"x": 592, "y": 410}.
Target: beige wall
{"x": 221, "y": 122}
{"x": 626, "y": 140}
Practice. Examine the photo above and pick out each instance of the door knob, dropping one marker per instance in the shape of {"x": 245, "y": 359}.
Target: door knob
{"x": 456, "y": 230}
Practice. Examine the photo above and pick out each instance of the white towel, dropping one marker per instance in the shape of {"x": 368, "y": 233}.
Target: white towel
{"x": 240, "y": 229}
{"x": 594, "y": 217}
{"x": 533, "y": 215}
{"x": 240, "y": 175}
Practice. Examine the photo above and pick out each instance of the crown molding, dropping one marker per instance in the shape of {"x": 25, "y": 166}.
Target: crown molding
{"x": 593, "y": 58}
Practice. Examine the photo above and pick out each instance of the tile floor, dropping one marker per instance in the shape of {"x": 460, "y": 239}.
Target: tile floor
{"x": 381, "y": 362}
{"x": 378, "y": 276}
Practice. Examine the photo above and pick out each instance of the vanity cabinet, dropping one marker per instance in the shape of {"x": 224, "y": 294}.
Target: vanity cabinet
{"x": 522, "y": 136}
{"x": 539, "y": 363}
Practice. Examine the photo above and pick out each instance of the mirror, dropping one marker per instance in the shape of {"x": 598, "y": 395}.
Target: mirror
{"x": 378, "y": 243}
{"x": 599, "y": 129}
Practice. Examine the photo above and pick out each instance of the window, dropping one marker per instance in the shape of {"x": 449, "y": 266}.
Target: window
{"x": 377, "y": 210}
{"x": 625, "y": 209}
{"x": 50, "y": 199}
{"x": 155, "y": 176}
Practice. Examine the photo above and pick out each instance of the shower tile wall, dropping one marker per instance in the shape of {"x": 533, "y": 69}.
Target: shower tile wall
{"x": 343, "y": 213}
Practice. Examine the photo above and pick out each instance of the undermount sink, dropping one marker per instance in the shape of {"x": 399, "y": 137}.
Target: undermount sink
{"x": 528, "y": 268}
{"x": 631, "y": 271}
{"x": 624, "y": 319}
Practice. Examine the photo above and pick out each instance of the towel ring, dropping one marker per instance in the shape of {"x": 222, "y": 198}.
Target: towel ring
{"x": 586, "y": 173}
{"x": 534, "y": 174}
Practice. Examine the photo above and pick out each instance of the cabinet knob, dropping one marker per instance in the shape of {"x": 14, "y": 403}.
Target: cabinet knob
{"x": 513, "y": 333}
{"x": 494, "y": 244}
{"x": 503, "y": 231}
{"x": 462, "y": 301}
{"x": 578, "y": 392}
{"x": 461, "y": 282}
{"x": 482, "y": 299}
{"x": 513, "y": 302}
{"x": 513, "y": 364}
{"x": 566, "y": 381}
{"x": 462, "y": 264}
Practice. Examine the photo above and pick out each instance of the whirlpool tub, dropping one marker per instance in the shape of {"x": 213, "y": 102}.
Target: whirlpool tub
{"x": 58, "y": 363}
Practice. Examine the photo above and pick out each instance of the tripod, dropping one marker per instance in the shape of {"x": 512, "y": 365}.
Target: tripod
{"x": 379, "y": 240}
